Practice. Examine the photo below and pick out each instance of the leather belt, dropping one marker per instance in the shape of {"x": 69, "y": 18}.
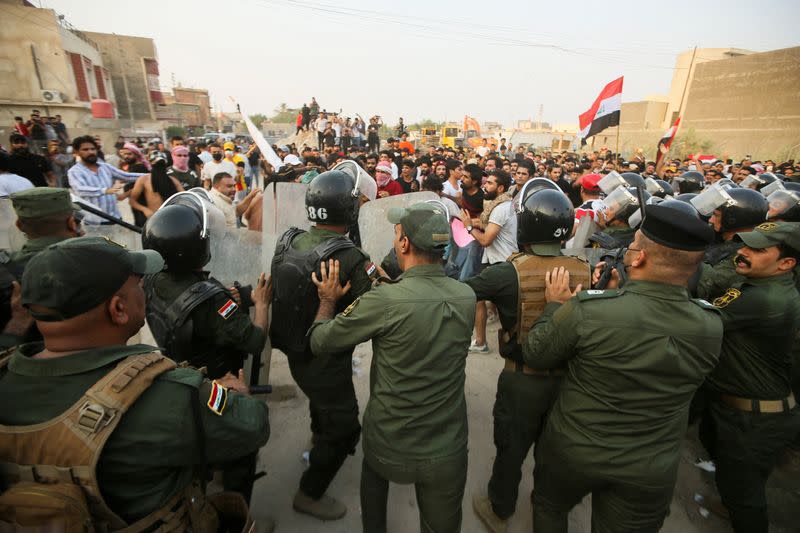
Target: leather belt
{"x": 758, "y": 406}
{"x": 517, "y": 367}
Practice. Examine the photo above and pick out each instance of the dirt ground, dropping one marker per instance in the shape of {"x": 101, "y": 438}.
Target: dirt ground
{"x": 290, "y": 435}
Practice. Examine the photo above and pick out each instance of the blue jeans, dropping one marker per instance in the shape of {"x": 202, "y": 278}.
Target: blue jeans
{"x": 469, "y": 260}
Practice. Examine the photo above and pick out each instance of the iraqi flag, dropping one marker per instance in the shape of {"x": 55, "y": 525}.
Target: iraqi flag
{"x": 666, "y": 140}
{"x": 604, "y": 112}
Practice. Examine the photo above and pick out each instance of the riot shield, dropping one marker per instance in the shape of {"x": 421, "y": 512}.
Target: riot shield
{"x": 11, "y": 238}
{"x": 284, "y": 207}
{"x": 377, "y": 233}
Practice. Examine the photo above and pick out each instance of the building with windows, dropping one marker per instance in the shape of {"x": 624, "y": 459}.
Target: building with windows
{"x": 50, "y": 66}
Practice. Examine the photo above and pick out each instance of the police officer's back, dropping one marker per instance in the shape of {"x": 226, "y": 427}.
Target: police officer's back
{"x": 331, "y": 203}
{"x": 87, "y": 299}
{"x": 192, "y": 315}
{"x": 524, "y": 394}
{"x": 617, "y": 425}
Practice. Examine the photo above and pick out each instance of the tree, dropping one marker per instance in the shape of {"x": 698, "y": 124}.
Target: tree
{"x": 258, "y": 119}
{"x": 689, "y": 142}
{"x": 175, "y": 131}
{"x": 284, "y": 114}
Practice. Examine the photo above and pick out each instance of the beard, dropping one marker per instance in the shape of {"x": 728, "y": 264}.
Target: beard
{"x": 91, "y": 159}
{"x": 489, "y": 195}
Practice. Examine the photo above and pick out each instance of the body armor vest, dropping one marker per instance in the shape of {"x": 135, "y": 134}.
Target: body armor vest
{"x": 170, "y": 322}
{"x": 721, "y": 251}
{"x": 530, "y": 276}
{"x": 294, "y": 299}
{"x": 57, "y": 459}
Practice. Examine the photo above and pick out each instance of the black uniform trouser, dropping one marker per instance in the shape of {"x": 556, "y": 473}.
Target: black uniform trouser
{"x": 320, "y": 140}
{"x": 744, "y": 447}
{"x": 373, "y": 143}
{"x": 328, "y": 383}
{"x": 520, "y": 408}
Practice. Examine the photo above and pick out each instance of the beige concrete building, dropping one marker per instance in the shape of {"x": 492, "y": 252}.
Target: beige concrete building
{"x": 48, "y": 65}
{"x": 133, "y": 64}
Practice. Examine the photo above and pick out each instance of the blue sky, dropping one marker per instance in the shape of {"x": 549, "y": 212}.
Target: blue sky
{"x": 422, "y": 59}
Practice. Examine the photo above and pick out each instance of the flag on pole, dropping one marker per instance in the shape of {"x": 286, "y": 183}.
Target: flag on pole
{"x": 266, "y": 150}
{"x": 666, "y": 140}
{"x": 604, "y": 112}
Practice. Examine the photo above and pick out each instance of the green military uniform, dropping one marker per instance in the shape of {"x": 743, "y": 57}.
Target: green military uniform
{"x": 155, "y": 450}
{"x": 220, "y": 340}
{"x": 635, "y": 356}
{"x": 34, "y": 204}
{"x": 523, "y": 399}
{"x": 415, "y": 423}
{"x": 750, "y": 414}
{"x": 719, "y": 271}
{"x": 178, "y": 422}
{"x": 622, "y": 236}
{"x": 327, "y": 379}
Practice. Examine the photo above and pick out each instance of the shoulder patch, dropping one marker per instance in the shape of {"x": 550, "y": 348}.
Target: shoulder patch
{"x": 595, "y": 294}
{"x": 350, "y": 307}
{"x": 725, "y": 300}
{"x": 704, "y": 304}
{"x": 767, "y": 226}
{"x": 227, "y": 309}
{"x": 218, "y": 398}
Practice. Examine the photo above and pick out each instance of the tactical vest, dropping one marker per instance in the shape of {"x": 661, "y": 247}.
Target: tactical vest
{"x": 170, "y": 321}
{"x": 530, "y": 277}
{"x": 718, "y": 252}
{"x": 294, "y": 298}
{"x": 57, "y": 459}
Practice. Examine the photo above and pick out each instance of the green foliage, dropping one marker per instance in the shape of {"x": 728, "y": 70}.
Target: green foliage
{"x": 284, "y": 114}
{"x": 175, "y": 131}
{"x": 424, "y": 123}
{"x": 688, "y": 142}
{"x": 258, "y": 118}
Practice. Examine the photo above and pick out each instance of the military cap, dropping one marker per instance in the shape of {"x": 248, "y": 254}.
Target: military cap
{"x": 426, "y": 227}
{"x": 76, "y": 275}
{"x": 675, "y": 229}
{"x": 42, "y": 202}
{"x": 772, "y": 234}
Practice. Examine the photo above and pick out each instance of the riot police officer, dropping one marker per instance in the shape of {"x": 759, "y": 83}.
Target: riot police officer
{"x": 737, "y": 210}
{"x": 524, "y": 394}
{"x": 331, "y": 203}
{"x": 619, "y": 206}
{"x": 691, "y": 181}
{"x": 192, "y": 316}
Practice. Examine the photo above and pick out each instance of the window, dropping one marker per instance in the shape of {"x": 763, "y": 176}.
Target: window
{"x": 79, "y": 74}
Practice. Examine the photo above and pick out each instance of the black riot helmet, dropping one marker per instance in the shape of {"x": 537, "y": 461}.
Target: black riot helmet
{"x": 784, "y": 204}
{"x": 179, "y": 233}
{"x": 330, "y": 198}
{"x": 691, "y": 181}
{"x": 659, "y": 187}
{"x": 633, "y": 179}
{"x": 545, "y": 216}
{"x": 758, "y": 181}
{"x": 534, "y": 185}
{"x": 685, "y": 207}
{"x": 749, "y": 209}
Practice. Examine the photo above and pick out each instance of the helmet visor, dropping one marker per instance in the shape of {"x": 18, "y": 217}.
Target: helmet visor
{"x": 750, "y": 182}
{"x": 712, "y": 198}
{"x": 617, "y": 201}
{"x": 776, "y": 185}
{"x": 652, "y": 186}
{"x": 612, "y": 181}
{"x": 781, "y": 201}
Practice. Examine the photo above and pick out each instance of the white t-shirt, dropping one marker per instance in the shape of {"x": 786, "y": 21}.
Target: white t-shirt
{"x": 449, "y": 190}
{"x": 482, "y": 150}
{"x": 322, "y": 123}
{"x": 11, "y": 183}
{"x": 505, "y": 243}
{"x": 213, "y": 168}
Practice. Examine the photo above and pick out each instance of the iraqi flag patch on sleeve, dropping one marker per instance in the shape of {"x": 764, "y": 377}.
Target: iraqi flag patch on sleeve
{"x": 227, "y": 310}
{"x": 218, "y": 398}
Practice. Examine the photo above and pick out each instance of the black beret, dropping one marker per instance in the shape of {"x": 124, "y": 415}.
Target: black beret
{"x": 675, "y": 229}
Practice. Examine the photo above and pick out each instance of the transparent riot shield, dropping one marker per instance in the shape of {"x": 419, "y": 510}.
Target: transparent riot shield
{"x": 377, "y": 233}
{"x": 284, "y": 208}
{"x": 11, "y": 238}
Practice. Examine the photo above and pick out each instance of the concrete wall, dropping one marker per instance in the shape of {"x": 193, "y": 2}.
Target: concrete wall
{"x": 748, "y": 104}
{"x": 644, "y": 115}
{"x": 20, "y": 91}
{"x": 684, "y": 67}
{"x": 124, "y": 56}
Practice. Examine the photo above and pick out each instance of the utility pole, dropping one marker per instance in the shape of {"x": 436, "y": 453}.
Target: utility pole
{"x": 540, "y": 117}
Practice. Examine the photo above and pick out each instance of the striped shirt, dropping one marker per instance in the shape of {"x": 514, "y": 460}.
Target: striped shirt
{"x": 91, "y": 187}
